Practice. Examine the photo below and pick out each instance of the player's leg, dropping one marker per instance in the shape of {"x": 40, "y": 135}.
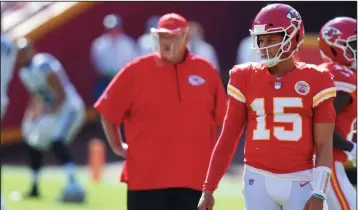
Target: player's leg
{"x": 298, "y": 196}
{"x": 341, "y": 195}
{"x": 255, "y": 193}
{"x": 62, "y": 153}
{"x": 148, "y": 199}
{"x": 36, "y": 163}
{"x": 67, "y": 120}
{"x": 184, "y": 198}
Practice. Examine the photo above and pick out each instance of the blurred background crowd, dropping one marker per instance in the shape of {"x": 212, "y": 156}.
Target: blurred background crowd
{"x": 94, "y": 40}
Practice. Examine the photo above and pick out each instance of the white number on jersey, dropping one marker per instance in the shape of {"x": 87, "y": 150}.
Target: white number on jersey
{"x": 279, "y": 116}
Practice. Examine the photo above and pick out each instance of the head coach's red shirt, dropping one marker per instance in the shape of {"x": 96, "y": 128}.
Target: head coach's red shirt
{"x": 170, "y": 113}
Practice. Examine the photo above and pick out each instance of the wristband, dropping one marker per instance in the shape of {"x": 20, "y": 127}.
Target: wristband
{"x": 318, "y": 196}
{"x": 321, "y": 177}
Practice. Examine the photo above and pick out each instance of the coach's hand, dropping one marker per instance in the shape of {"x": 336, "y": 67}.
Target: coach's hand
{"x": 314, "y": 204}
{"x": 122, "y": 152}
{"x": 206, "y": 201}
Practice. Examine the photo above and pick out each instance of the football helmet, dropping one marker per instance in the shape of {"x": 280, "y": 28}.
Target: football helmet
{"x": 338, "y": 41}
{"x": 278, "y": 18}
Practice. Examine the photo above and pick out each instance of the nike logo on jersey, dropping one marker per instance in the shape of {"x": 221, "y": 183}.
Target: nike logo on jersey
{"x": 304, "y": 184}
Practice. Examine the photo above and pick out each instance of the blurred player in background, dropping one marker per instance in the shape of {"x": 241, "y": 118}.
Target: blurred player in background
{"x": 244, "y": 52}
{"x": 8, "y": 58}
{"x": 338, "y": 46}
{"x": 199, "y": 46}
{"x": 111, "y": 51}
{"x": 53, "y": 118}
{"x": 289, "y": 115}
{"x": 145, "y": 41}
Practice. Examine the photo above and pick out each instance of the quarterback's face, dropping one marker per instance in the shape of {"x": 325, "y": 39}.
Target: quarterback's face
{"x": 267, "y": 40}
{"x": 171, "y": 45}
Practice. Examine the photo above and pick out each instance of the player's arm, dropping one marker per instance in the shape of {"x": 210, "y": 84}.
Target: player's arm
{"x": 225, "y": 147}
{"x": 58, "y": 90}
{"x": 220, "y": 104}
{"x": 323, "y": 128}
{"x": 113, "y": 105}
{"x": 354, "y": 138}
{"x": 34, "y": 107}
{"x": 114, "y": 136}
{"x": 342, "y": 99}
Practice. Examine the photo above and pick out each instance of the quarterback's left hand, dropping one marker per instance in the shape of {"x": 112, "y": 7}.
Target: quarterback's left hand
{"x": 314, "y": 204}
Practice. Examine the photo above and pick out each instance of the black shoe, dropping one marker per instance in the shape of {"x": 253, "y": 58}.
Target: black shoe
{"x": 34, "y": 193}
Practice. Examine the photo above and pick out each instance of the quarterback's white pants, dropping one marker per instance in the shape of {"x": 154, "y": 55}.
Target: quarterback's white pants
{"x": 62, "y": 125}
{"x": 273, "y": 193}
{"x": 341, "y": 195}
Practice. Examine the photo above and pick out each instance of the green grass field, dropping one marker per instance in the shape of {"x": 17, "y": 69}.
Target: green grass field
{"x": 106, "y": 195}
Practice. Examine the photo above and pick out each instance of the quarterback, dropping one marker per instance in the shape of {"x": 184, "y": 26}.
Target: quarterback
{"x": 289, "y": 116}
{"x": 54, "y": 116}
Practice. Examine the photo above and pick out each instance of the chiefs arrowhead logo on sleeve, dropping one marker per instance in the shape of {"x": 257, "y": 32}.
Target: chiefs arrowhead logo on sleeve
{"x": 293, "y": 15}
{"x": 330, "y": 32}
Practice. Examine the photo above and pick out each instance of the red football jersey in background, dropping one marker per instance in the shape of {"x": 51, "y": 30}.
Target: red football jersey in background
{"x": 345, "y": 80}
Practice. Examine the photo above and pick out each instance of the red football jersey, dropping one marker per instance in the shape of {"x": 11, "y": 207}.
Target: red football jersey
{"x": 281, "y": 113}
{"x": 345, "y": 80}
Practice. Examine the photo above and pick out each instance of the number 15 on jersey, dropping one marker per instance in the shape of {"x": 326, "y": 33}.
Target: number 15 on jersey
{"x": 279, "y": 116}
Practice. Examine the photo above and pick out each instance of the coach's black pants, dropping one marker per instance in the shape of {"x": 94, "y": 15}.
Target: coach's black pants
{"x": 163, "y": 199}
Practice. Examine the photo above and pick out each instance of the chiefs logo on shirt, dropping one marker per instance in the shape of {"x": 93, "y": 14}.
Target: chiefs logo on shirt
{"x": 196, "y": 80}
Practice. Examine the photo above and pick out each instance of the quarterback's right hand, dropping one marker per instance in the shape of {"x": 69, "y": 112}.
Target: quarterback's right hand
{"x": 206, "y": 201}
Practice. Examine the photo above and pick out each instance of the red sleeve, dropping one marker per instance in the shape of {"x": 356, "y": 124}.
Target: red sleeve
{"x": 325, "y": 112}
{"x": 344, "y": 79}
{"x": 325, "y": 92}
{"x": 226, "y": 145}
{"x": 117, "y": 98}
{"x": 220, "y": 103}
{"x": 324, "y": 89}
{"x": 237, "y": 84}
